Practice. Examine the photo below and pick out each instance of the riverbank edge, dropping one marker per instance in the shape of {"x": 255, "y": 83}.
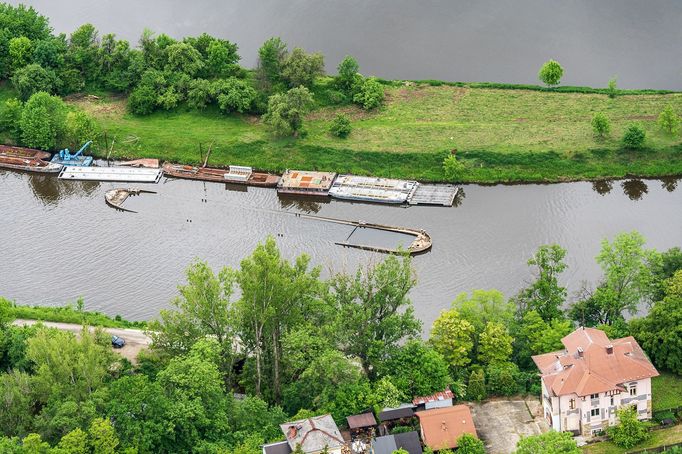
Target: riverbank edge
{"x": 70, "y": 314}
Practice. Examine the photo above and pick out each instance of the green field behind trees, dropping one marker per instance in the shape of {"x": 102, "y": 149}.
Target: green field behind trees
{"x": 501, "y": 135}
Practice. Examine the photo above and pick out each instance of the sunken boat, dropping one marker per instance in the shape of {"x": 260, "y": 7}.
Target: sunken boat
{"x": 234, "y": 174}
{"x": 21, "y": 152}
{"x": 28, "y": 164}
{"x": 116, "y": 197}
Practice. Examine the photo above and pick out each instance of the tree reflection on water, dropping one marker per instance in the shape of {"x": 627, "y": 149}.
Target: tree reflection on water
{"x": 634, "y": 189}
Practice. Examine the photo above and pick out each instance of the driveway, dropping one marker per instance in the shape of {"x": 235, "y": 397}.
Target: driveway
{"x": 136, "y": 339}
{"x": 501, "y": 423}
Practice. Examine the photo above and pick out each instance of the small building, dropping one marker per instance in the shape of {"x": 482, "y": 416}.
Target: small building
{"x": 441, "y": 399}
{"x": 281, "y": 447}
{"x": 306, "y": 182}
{"x": 238, "y": 173}
{"x": 405, "y": 411}
{"x": 313, "y": 435}
{"x": 362, "y": 425}
{"x": 441, "y": 427}
{"x": 409, "y": 441}
{"x": 584, "y": 385}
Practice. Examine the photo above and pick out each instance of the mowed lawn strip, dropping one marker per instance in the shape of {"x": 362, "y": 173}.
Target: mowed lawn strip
{"x": 666, "y": 391}
{"x": 660, "y": 437}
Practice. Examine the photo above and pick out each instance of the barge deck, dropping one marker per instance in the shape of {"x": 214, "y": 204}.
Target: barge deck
{"x": 430, "y": 194}
{"x": 371, "y": 189}
{"x": 306, "y": 182}
{"x": 235, "y": 174}
{"x": 119, "y": 174}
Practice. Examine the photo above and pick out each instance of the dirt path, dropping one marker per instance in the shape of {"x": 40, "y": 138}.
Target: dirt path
{"x": 136, "y": 339}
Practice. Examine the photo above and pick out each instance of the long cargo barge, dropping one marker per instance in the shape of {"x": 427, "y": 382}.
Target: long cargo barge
{"x": 235, "y": 174}
{"x": 371, "y": 189}
{"x": 304, "y": 182}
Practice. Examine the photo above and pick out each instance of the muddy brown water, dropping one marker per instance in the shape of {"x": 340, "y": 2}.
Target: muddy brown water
{"x": 463, "y": 40}
{"x": 61, "y": 241}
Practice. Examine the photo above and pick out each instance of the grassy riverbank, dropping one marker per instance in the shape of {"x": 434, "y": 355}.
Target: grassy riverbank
{"x": 512, "y": 134}
{"x": 71, "y": 314}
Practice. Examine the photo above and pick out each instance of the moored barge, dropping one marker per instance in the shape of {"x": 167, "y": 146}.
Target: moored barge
{"x": 371, "y": 189}
{"x": 28, "y": 164}
{"x": 21, "y": 152}
{"x": 305, "y": 182}
{"x": 234, "y": 174}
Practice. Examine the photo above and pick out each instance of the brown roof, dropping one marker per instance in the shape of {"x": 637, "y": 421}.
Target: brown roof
{"x": 587, "y": 367}
{"x": 441, "y": 427}
{"x": 440, "y": 395}
{"x": 313, "y": 434}
{"x": 363, "y": 420}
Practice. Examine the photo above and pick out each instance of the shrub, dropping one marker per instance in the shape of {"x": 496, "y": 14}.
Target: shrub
{"x": 43, "y": 121}
{"x": 80, "y": 127}
{"x": 601, "y": 124}
{"x": 142, "y": 101}
{"x": 341, "y": 126}
{"x": 286, "y": 111}
{"x": 199, "y": 94}
{"x": 452, "y": 167}
{"x": 629, "y": 431}
{"x": 612, "y": 89}
{"x": 370, "y": 94}
{"x": 468, "y": 444}
{"x": 551, "y": 72}
{"x": 634, "y": 137}
{"x": 668, "y": 120}
{"x": 234, "y": 95}
{"x": 503, "y": 379}
{"x": 548, "y": 442}
{"x": 10, "y": 116}
{"x": 32, "y": 79}
{"x": 348, "y": 72}
{"x": 476, "y": 387}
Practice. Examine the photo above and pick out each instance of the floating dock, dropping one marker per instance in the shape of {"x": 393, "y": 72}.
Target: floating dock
{"x": 306, "y": 182}
{"x": 431, "y": 194}
{"x": 371, "y": 189}
{"x": 121, "y": 174}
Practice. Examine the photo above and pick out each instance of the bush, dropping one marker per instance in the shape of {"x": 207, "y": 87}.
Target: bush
{"x": 629, "y": 431}
{"x": 612, "y": 89}
{"x": 468, "y": 444}
{"x": 341, "y": 126}
{"x": 452, "y": 167}
{"x": 234, "y": 95}
{"x": 43, "y": 121}
{"x": 34, "y": 78}
{"x": 601, "y": 124}
{"x": 476, "y": 387}
{"x": 199, "y": 94}
{"x": 80, "y": 127}
{"x": 370, "y": 94}
{"x": 142, "y": 101}
{"x": 634, "y": 137}
{"x": 10, "y": 116}
{"x": 551, "y": 72}
{"x": 503, "y": 379}
{"x": 668, "y": 120}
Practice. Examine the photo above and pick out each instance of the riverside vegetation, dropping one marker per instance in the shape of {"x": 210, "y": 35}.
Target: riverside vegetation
{"x": 298, "y": 345}
{"x": 166, "y": 97}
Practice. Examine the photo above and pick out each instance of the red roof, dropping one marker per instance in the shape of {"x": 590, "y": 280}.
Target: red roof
{"x": 441, "y": 427}
{"x": 593, "y": 364}
{"x": 440, "y": 395}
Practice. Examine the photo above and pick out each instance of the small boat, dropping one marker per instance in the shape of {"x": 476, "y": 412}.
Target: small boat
{"x": 28, "y": 164}
{"x": 116, "y": 197}
{"x": 234, "y": 174}
{"x": 20, "y": 152}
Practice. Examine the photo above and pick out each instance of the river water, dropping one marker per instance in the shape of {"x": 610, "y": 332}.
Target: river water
{"x": 61, "y": 241}
{"x": 463, "y": 40}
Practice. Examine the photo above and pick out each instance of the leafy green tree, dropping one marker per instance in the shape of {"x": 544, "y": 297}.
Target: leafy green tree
{"x": 43, "y": 121}
{"x": 551, "y": 73}
{"x": 484, "y": 306}
{"x": 374, "y": 312}
{"x": 83, "y": 52}
{"x": 452, "y": 336}
{"x": 476, "y": 389}
{"x": 34, "y": 78}
{"x": 20, "y": 51}
{"x": 6, "y": 315}
{"x": 670, "y": 262}
{"x": 386, "y": 394}
{"x": 10, "y": 117}
{"x": 142, "y": 101}
{"x": 612, "y": 88}
{"x": 503, "y": 379}
{"x": 200, "y": 94}
{"x": 34, "y": 444}
{"x": 369, "y": 93}
{"x": 495, "y": 345}
{"x": 80, "y": 128}
{"x": 102, "y": 437}
{"x": 469, "y": 444}
{"x": 629, "y": 431}
{"x": 627, "y": 268}
{"x": 340, "y": 126}
{"x": 551, "y": 442}
{"x": 542, "y": 336}
{"x": 49, "y": 53}
{"x": 286, "y": 112}
{"x": 301, "y": 69}
{"x": 221, "y": 58}
{"x": 634, "y": 137}
{"x": 271, "y": 57}
{"x": 417, "y": 369}
{"x": 16, "y": 405}
{"x": 669, "y": 121}
{"x": 11, "y": 445}
{"x": 545, "y": 295}
{"x": 184, "y": 58}
{"x": 118, "y": 64}
{"x": 234, "y": 95}
{"x": 74, "y": 442}
{"x": 453, "y": 167}
{"x": 348, "y": 74}
{"x": 601, "y": 124}
{"x": 253, "y": 416}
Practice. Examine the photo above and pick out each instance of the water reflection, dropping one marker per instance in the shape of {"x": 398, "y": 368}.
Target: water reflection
{"x": 50, "y": 190}
{"x": 602, "y": 187}
{"x": 634, "y": 189}
{"x": 669, "y": 183}
{"x": 459, "y": 198}
{"x": 307, "y": 204}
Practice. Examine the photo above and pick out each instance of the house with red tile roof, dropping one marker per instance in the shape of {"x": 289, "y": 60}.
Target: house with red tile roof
{"x": 584, "y": 385}
{"x": 441, "y": 427}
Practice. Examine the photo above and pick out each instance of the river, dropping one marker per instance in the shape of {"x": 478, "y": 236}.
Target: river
{"x": 463, "y": 40}
{"x": 61, "y": 241}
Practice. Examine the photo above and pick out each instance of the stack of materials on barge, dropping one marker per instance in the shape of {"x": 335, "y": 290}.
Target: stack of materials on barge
{"x": 26, "y": 159}
{"x": 234, "y": 174}
{"x": 370, "y": 189}
{"x": 306, "y": 182}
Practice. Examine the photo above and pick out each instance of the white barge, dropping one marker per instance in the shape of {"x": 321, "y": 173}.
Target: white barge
{"x": 120, "y": 174}
{"x": 371, "y": 189}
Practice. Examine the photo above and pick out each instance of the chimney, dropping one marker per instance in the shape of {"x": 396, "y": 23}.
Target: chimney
{"x": 580, "y": 352}
{"x": 609, "y": 349}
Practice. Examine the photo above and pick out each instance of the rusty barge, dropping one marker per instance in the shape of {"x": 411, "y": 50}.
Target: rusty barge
{"x": 234, "y": 174}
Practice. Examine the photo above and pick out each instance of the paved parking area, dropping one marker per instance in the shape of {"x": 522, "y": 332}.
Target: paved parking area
{"x": 502, "y": 423}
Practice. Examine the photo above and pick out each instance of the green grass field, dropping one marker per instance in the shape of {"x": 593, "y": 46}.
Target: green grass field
{"x": 667, "y": 391}
{"x": 661, "y": 437}
{"x": 503, "y": 135}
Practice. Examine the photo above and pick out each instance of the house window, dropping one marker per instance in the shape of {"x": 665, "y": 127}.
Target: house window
{"x": 594, "y": 412}
{"x": 594, "y": 396}
{"x": 612, "y": 400}
{"x": 571, "y": 404}
{"x": 633, "y": 390}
